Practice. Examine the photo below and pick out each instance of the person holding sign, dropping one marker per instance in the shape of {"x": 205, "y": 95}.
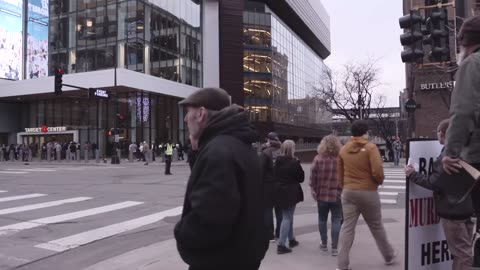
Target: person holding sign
{"x": 455, "y": 218}
{"x": 463, "y": 135}
{"x": 360, "y": 172}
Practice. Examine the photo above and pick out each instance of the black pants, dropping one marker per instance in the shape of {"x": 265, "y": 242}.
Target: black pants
{"x": 269, "y": 222}
{"x": 476, "y": 198}
{"x": 168, "y": 163}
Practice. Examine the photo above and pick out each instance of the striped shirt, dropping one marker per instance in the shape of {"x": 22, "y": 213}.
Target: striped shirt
{"x": 323, "y": 179}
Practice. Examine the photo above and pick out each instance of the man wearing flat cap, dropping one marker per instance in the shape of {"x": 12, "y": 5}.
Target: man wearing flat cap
{"x": 463, "y": 135}
{"x": 222, "y": 224}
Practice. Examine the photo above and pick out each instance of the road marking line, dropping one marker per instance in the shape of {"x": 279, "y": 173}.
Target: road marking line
{"x": 80, "y": 239}
{"x": 41, "y": 205}
{"x": 3, "y": 191}
{"x": 393, "y": 187}
{"x": 10, "y": 172}
{"x": 385, "y": 193}
{"x": 33, "y": 170}
{"x": 14, "y": 228}
{"x": 394, "y": 181}
{"x": 21, "y": 197}
{"x": 388, "y": 201}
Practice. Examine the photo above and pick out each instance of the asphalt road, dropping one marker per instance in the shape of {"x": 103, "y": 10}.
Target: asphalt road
{"x": 73, "y": 216}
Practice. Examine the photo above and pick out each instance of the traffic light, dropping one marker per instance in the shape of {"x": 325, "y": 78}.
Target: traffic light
{"x": 412, "y": 38}
{"x": 121, "y": 120}
{"x": 438, "y": 38}
{"x": 58, "y": 72}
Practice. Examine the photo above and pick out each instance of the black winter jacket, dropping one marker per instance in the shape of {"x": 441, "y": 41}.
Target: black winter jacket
{"x": 443, "y": 207}
{"x": 267, "y": 158}
{"x": 222, "y": 224}
{"x": 289, "y": 174}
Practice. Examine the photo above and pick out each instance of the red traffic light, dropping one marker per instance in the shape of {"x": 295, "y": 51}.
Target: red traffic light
{"x": 109, "y": 133}
{"x": 60, "y": 71}
{"x": 121, "y": 117}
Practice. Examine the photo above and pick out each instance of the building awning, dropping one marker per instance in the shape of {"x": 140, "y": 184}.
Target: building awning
{"x": 97, "y": 79}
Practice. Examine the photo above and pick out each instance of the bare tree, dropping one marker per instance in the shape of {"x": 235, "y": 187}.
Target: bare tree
{"x": 349, "y": 93}
{"x": 384, "y": 122}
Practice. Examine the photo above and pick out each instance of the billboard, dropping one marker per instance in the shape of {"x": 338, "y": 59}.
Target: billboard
{"x": 11, "y": 41}
{"x": 37, "y": 39}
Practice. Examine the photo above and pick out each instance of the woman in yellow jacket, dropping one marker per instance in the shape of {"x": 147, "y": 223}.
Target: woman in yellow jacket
{"x": 360, "y": 172}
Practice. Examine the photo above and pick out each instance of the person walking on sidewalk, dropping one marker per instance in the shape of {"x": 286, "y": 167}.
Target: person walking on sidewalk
{"x": 326, "y": 190}
{"x": 168, "y": 157}
{"x": 288, "y": 192}
{"x": 268, "y": 157}
{"x": 222, "y": 225}
{"x": 455, "y": 218}
{"x": 360, "y": 170}
{"x": 397, "y": 150}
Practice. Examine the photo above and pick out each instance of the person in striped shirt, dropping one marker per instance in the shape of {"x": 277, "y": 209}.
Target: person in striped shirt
{"x": 326, "y": 190}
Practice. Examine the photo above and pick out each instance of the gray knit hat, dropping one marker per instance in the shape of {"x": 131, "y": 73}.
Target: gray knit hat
{"x": 470, "y": 32}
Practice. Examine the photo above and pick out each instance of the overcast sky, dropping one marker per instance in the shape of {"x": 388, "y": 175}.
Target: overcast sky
{"x": 362, "y": 29}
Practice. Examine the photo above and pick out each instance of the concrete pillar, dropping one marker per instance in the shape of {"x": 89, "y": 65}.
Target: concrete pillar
{"x": 97, "y": 156}
{"x": 59, "y": 156}
{"x": 2, "y": 156}
{"x": 30, "y": 156}
{"x": 130, "y": 156}
{"x": 85, "y": 155}
{"x": 49, "y": 155}
{"x": 12, "y": 156}
{"x": 20, "y": 155}
{"x": 78, "y": 155}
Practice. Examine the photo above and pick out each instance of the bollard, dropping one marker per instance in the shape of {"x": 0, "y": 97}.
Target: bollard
{"x": 30, "y": 156}
{"x": 68, "y": 156}
{"x": 85, "y": 155}
{"x": 20, "y": 155}
{"x": 12, "y": 156}
{"x": 130, "y": 156}
{"x": 119, "y": 155}
{"x": 77, "y": 158}
{"x": 97, "y": 156}
{"x": 59, "y": 156}
{"x": 49, "y": 155}
{"x": 2, "y": 157}
{"x": 175, "y": 155}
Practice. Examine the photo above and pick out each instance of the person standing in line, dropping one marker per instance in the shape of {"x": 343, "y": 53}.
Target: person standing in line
{"x": 397, "y": 150}
{"x": 326, "y": 190}
{"x": 288, "y": 174}
{"x": 168, "y": 157}
{"x": 268, "y": 158}
{"x": 360, "y": 171}
{"x": 455, "y": 218}
{"x": 222, "y": 224}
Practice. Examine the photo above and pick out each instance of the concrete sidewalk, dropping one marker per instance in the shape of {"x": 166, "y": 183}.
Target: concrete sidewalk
{"x": 364, "y": 255}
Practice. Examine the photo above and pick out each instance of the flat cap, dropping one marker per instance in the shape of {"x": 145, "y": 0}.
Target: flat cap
{"x": 211, "y": 98}
{"x": 470, "y": 32}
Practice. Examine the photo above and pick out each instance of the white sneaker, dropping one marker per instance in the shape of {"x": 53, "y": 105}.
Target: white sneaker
{"x": 393, "y": 259}
{"x": 323, "y": 247}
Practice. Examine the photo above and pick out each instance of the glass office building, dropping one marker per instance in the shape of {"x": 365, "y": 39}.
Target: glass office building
{"x": 162, "y": 38}
{"x": 280, "y": 70}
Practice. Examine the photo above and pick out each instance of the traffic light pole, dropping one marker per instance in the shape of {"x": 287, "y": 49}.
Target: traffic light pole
{"x": 74, "y": 86}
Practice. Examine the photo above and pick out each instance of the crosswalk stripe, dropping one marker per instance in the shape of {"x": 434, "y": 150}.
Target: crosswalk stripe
{"x": 393, "y": 187}
{"x": 394, "y": 181}
{"x": 386, "y": 193}
{"x": 33, "y": 170}
{"x": 388, "y": 201}
{"x": 41, "y": 205}
{"x": 21, "y": 197}
{"x": 12, "y": 172}
{"x": 10, "y": 229}
{"x": 3, "y": 191}
{"x": 80, "y": 239}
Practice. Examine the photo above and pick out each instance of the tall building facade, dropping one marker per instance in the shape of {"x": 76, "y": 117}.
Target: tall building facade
{"x": 150, "y": 54}
{"x": 430, "y": 85}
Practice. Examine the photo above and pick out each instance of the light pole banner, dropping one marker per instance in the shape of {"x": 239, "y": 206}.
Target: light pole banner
{"x": 426, "y": 246}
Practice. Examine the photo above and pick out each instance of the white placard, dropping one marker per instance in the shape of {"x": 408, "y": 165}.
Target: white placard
{"x": 427, "y": 248}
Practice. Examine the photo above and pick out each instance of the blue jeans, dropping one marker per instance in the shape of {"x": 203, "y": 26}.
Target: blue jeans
{"x": 286, "y": 229}
{"x": 336, "y": 209}
{"x": 273, "y": 233}
{"x": 396, "y": 158}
